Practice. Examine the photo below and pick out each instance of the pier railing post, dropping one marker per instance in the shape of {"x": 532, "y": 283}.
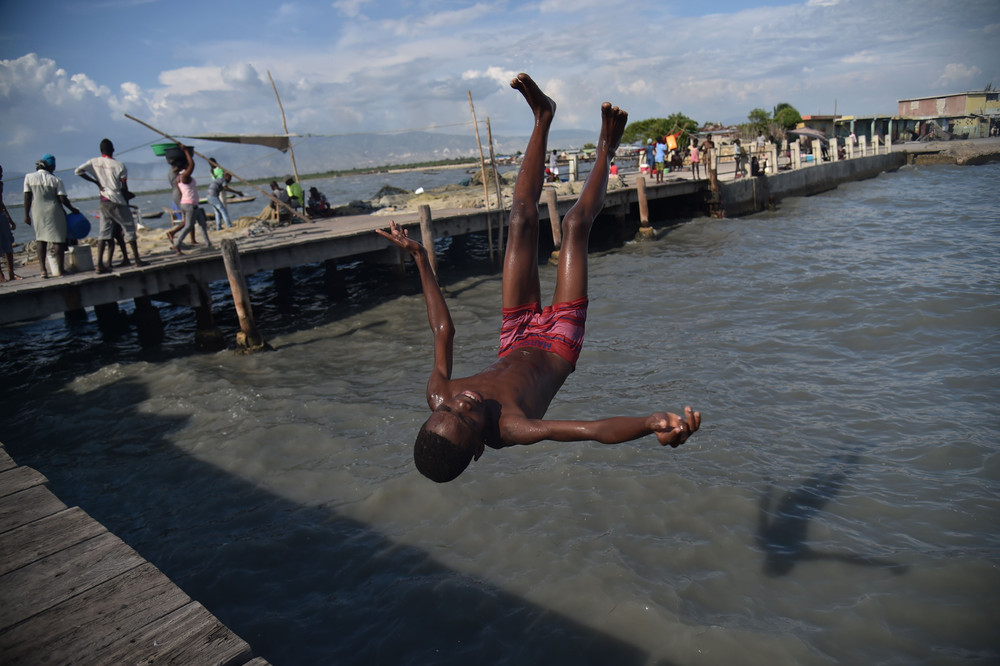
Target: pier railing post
{"x": 875, "y": 144}
{"x": 834, "y": 151}
{"x": 864, "y": 145}
{"x": 772, "y": 157}
{"x": 817, "y": 152}
{"x": 427, "y": 235}
{"x": 248, "y": 339}
{"x": 645, "y": 230}
{"x": 796, "y": 155}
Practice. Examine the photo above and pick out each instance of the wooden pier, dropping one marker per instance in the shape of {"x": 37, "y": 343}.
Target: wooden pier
{"x": 72, "y": 592}
{"x": 184, "y": 280}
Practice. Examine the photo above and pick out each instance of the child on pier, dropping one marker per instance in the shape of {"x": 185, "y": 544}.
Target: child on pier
{"x": 503, "y": 405}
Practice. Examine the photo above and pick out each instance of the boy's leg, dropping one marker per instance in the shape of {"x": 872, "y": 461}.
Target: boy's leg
{"x": 520, "y": 271}
{"x": 571, "y": 281}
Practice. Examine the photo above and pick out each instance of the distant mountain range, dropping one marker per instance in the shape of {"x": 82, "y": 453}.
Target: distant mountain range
{"x": 337, "y": 153}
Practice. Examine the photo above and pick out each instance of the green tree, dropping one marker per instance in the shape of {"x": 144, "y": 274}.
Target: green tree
{"x": 786, "y": 116}
{"x": 759, "y": 119}
{"x": 651, "y": 128}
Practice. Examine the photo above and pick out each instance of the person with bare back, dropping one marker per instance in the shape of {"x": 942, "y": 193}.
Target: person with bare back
{"x": 503, "y": 405}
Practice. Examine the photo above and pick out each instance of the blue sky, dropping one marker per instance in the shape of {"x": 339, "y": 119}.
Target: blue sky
{"x": 353, "y": 66}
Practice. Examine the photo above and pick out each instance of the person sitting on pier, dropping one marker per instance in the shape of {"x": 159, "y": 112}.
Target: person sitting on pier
{"x": 317, "y": 205}
{"x": 503, "y": 405}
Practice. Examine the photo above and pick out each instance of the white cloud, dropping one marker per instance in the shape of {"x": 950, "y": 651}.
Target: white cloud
{"x": 351, "y": 8}
{"x": 957, "y": 73}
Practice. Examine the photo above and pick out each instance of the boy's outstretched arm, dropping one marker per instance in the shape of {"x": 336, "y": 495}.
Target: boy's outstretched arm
{"x": 670, "y": 429}
{"x": 438, "y": 315}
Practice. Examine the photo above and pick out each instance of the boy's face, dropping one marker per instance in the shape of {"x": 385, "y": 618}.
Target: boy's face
{"x": 461, "y": 420}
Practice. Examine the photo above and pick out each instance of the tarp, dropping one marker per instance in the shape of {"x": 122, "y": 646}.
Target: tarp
{"x": 277, "y": 141}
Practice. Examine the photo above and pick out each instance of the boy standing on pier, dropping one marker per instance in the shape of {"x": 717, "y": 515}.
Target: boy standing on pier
{"x": 503, "y": 405}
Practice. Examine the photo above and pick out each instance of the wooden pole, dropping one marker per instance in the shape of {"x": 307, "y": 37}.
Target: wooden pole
{"x": 235, "y": 175}
{"x": 281, "y": 108}
{"x": 248, "y": 339}
{"x": 482, "y": 166}
{"x": 553, "y": 207}
{"x": 645, "y": 230}
{"x": 496, "y": 181}
{"x": 427, "y": 236}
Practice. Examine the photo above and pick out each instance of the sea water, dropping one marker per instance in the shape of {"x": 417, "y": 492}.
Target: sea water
{"x": 839, "y": 505}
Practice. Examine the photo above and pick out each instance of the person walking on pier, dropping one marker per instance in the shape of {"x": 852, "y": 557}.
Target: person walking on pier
{"x": 111, "y": 177}
{"x": 44, "y": 198}
{"x": 694, "y": 158}
{"x": 188, "y": 187}
{"x": 503, "y": 405}
{"x": 7, "y": 228}
{"x": 218, "y": 185}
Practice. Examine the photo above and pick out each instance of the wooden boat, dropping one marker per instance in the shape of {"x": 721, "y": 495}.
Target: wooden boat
{"x": 152, "y": 216}
{"x": 233, "y": 200}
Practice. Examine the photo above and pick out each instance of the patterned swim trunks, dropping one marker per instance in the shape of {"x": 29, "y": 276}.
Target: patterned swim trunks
{"x": 558, "y": 328}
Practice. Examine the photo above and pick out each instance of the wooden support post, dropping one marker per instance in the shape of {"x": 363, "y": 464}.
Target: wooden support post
{"x": 109, "y": 318}
{"x": 553, "y": 207}
{"x": 336, "y": 287}
{"x": 248, "y": 339}
{"x": 645, "y": 232}
{"x": 207, "y": 336}
{"x": 427, "y": 236}
{"x": 283, "y": 281}
{"x": 148, "y": 324}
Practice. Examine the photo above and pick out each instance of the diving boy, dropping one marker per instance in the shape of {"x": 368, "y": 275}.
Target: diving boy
{"x": 503, "y": 405}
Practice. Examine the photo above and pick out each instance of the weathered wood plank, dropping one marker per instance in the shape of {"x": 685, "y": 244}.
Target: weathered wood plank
{"x": 6, "y": 462}
{"x": 20, "y": 478}
{"x": 81, "y": 628}
{"x": 189, "y": 635}
{"x": 41, "y": 538}
{"x": 26, "y": 506}
{"x": 62, "y": 575}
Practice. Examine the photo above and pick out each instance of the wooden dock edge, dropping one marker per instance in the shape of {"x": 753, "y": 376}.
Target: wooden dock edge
{"x": 73, "y": 592}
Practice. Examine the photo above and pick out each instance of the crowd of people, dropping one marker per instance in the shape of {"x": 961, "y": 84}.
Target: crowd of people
{"x": 46, "y": 205}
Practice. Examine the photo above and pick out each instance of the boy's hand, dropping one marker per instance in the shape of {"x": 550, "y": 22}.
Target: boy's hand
{"x": 674, "y": 430}
{"x": 401, "y": 237}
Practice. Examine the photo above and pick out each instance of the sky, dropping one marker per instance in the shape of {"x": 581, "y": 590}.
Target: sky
{"x": 68, "y": 75}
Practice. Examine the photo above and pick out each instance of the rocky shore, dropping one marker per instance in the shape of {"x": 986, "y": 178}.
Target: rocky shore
{"x": 967, "y": 152}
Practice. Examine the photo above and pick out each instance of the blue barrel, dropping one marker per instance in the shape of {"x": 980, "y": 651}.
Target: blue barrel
{"x": 77, "y": 225}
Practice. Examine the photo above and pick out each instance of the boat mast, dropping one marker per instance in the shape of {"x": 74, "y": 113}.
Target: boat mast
{"x": 285, "y": 126}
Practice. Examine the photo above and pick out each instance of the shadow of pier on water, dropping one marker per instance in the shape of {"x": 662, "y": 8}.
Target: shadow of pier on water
{"x": 302, "y": 585}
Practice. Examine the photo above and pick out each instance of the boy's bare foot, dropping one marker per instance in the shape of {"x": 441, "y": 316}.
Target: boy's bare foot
{"x": 140, "y": 262}
{"x": 613, "y": 121}
{"x": 542, "y": 105}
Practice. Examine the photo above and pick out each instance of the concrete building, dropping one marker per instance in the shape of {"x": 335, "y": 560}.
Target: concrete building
{"x": 967, "y": 115}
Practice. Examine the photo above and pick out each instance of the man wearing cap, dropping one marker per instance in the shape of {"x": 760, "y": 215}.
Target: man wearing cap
{"x": 110, "y": 176}
{"x": 44, "y": 198}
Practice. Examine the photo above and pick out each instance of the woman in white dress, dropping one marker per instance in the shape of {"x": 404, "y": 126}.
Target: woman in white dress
{"x": 44, "y": 198}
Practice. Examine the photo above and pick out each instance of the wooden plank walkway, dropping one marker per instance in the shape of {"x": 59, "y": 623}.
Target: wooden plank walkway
{"x": 72, "y": 592}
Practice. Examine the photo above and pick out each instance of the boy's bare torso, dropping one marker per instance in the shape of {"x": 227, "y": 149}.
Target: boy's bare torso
{"x": 520, "y": 385}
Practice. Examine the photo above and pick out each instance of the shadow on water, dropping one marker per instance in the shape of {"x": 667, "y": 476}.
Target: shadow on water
{"x": 303, "y": 585}
{"x": 782, "y": 532}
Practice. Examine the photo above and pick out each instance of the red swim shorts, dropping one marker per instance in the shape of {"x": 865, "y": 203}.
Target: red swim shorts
{"x": 558, "y": 328}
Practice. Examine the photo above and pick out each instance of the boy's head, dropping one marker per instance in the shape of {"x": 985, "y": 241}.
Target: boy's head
{"x": 451, "y": 438}
{"x": 107, "y": 148}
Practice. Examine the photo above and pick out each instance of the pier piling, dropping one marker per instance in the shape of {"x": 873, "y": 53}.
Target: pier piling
{"x": 427, "y": 236}
{"x": 248, "y": 340}
{"x": 646, "y": 231}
